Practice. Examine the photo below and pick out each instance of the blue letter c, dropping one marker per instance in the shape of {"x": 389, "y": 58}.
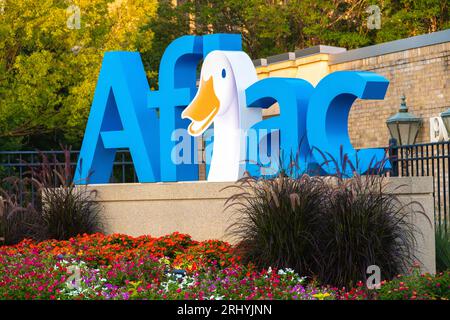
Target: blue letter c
{"x": 327, "y": 119}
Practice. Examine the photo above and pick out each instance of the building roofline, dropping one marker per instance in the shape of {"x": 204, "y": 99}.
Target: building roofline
{"x": 260, "y": 62}
{"x": 281, "y": 57}
{"x": 391, "y": 47}
{"x": 341, "y": 55}
{"x": 290, "y": 56}
{"x": 318, "y": 49}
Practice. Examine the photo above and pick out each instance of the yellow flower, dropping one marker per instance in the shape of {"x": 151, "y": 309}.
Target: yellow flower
{"x": 321, "y": 296}
{"x": 164, "y": 260}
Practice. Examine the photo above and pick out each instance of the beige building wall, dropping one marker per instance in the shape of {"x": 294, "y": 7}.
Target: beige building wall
{"x": 422, "y": 74}
{"x": 311, "y": 64}
{"x": 311, "y": 68}
{"x": 417, "y": 67}
{"x": 198, "y": 208}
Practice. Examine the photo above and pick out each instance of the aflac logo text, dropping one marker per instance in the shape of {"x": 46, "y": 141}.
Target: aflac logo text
{"x": 160, "y": 127}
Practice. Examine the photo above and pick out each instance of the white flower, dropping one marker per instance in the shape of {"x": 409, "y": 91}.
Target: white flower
{"x": 289, "y": 270}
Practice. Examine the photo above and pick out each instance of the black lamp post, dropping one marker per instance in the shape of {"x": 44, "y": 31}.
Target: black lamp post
{"x": 404, "y": 126}
{"x": 446, "y": 119}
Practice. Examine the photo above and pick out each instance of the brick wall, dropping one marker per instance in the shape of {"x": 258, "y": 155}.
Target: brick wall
{"x": 422, "y": 74}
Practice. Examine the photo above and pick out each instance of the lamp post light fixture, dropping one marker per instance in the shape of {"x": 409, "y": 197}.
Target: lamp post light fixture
{"x": 446, "y": 119}
{"x": 404, "y": 126}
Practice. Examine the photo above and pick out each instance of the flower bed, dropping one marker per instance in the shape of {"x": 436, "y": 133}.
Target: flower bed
{"x": 169, "y": 267}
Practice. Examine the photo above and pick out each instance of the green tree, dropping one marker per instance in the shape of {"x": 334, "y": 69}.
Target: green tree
{"x": 49, "y": 64}
{"x": 407, "y": 18}
{"x": 169, "y": 23}
{"x": 273, "y": 26}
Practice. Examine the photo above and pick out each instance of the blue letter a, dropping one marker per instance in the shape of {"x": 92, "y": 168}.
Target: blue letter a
{"x": 119, "y": 118}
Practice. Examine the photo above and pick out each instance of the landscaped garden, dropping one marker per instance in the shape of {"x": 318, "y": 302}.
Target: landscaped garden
{"x": 309, "y": 234}
{"x": 298, "y": 237}
{"x": 123, "y": 267}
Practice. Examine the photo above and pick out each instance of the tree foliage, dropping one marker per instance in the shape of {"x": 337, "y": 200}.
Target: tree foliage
{"x": 274, "y": 26}
{"x": 48, "y": 71}
{"x": 49, "y": 67}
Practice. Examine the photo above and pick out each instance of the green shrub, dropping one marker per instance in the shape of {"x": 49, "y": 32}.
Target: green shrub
{"x": 60, "y": 209}
{"x": 442, "y": 249}
{"x": 417, "y": 287}
{"x": 365, "y": 225}
{"x": 279, "y": 220}
{"x": 18, "y": 223}
{"x": 18, "y": 217}
{"x": 67, "y": 210}
{"x": 331, "y": 228}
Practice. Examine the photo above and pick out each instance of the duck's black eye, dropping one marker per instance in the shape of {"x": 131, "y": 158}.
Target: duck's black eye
{"x": 224, "y": 73}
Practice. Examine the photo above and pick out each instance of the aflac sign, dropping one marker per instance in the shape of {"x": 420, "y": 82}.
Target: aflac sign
{"x": 159, "y": 127}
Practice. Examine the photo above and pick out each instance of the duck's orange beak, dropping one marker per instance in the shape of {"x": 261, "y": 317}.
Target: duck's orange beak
{"x": 202, "y": 109}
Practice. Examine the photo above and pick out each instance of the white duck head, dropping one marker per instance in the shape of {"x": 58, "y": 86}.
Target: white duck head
{"x": 217, "y": 93}
{"x": 221, "y": 99}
